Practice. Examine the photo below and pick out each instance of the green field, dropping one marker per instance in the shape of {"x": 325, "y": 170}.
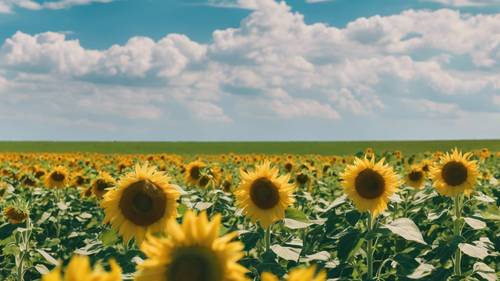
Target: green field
{"x": 325, "y": 148}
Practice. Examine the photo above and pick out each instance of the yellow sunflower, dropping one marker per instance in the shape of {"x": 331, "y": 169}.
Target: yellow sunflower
{"x": 15, "y": 215}
{"x": 264, "y": 195}
{"x": 143, "y": 200}
{"x": 192, "y": 251}
{"x": 415, "y": 177}
{"x": 298, "y": 274}
{"x": 454, "y": 174}
{"x": 79, "y": 269}
{"x": 57, "y": 178}
{"x": 102, "y": 184}
{"x": 369, "y": 184}
{"x": 193, "y": 172}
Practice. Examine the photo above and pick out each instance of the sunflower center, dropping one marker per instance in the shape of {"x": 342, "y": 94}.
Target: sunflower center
{"x": 454, "y": 173}
{"x": 264, "y": 193}
{"x": 56, "y": 176}
{"x": 143, "y": 203}
{"x": 415, "y": 175}
{"x": 102, "y": 185}
{"x": 194, "y": 264}
{"x": 369, "y": 184}
{"x": 194, "y": 172}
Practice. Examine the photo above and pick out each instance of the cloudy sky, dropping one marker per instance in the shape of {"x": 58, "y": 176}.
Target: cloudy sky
{"x": 249, "y": 69}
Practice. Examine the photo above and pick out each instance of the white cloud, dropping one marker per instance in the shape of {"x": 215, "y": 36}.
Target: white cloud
{"x": 7, "y": 6}
{"x": 466, "y": 3}
{"x": 375, "y": 66}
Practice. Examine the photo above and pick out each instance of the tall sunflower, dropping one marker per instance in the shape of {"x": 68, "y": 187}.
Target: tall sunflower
{"x": 193, "y": 172}
{"x": 192, "y": 251}
{"x": 79, "y": 269}
{"x": 415, "y": 177}
{"x": 369, "y": 184}
{"x": 298, "y": 274}
{"x": 143, "y": 200}
{"x": 57, "y": 178}
{"x": 454, "y": 174}
{"x": 264, "y": 195}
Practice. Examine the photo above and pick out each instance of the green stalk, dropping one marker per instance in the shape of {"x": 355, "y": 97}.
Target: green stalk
{"x": 456, "y": 231}
{"x": 267, "y": 239}
{"x": 370, "y": 249}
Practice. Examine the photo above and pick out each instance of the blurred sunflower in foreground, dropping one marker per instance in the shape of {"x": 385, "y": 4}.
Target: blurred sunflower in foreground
{"x": 79, "y": 269}
{"x": 300, "y": 274}
{"x": 192, "y": 251}
{"x": 143, "y": 201}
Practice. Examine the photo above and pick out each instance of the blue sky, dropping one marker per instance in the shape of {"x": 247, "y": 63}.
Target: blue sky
{"x": 249, "y": 69}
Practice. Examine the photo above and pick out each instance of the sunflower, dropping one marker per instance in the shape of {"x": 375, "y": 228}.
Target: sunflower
{"x": 143, "y": 200}
{"x": 299, "y": 274}
{"x": 264, "y": 195}
{"x": 15, "y": 215}
{"x": 57, "y": 178}
{"x": 79, "y": 269}
{"x": 193, "y": 172}
{"x": 369, "y": 185}
{"x": 454, "y": 174}
{"x": 102, "y": 184}
{"x": 415, "y": 177}
{"x": 192, "y": 251}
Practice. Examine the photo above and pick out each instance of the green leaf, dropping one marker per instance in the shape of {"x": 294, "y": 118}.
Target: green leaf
{"x": 109, "y": 237}
{"x": 407, "y": 229}
{"x": 319, "y": 256}
{"x": 349, "y": 244}
{"x": 485, "y": 271}
{"x": 295, "y": 214}
{"x": 42, "y": 269}
{"x": 287, "y": 253}
{"x": 250, "y": 239}
{"x": 475, "y": 223}
{"x": 48, "y": 257}
{"x": 473, "y": 251}
{"x": 421, "y": 271}
{"x": 295, "y": 224}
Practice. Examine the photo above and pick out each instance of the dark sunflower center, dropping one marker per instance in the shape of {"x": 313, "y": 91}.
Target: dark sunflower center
{"x": 143, "y": 203}
{"x": 204, "y": 181}
{"x": 369, "y": 184}
{"x": 80, "y": 180}
{"x": 425, "y": 168}
{"x": 56, "y": 176}
{"x": 102, "y": 185}
{"x": 264, "y": 193}
{"x": 194, "y": 264}
{"x": 415, "y": 175}
{"x": 194, "y": 173}
{"x": 302, "y": 178}
{"x": 454, "y": 173}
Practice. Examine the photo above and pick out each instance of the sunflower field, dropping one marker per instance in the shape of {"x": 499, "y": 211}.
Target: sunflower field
{"x": 368, "y": 216}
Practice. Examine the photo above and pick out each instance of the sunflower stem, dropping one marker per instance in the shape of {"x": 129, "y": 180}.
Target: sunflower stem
{"x": 267, "y": 239}
{"x": 370, "y": 249}
{"x": 456, "y": 231}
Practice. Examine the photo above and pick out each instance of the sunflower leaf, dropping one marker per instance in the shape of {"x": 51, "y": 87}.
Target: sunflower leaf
{"x": 473, "y": 251}
{"x": 407, "y": 229}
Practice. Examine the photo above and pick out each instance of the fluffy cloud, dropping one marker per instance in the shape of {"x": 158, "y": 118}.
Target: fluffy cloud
{"x": 7, "y": 6}
{"x": 276, "y": 65}
{"x": 466, "y": 3}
